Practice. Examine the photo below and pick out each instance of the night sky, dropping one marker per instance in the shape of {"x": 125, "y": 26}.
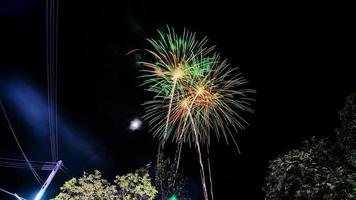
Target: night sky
{"x": 299, "y": 58}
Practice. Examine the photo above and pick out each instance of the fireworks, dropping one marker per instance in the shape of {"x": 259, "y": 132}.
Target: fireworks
{"x": 190, "y": 81}
{"x": 195, "y": 92}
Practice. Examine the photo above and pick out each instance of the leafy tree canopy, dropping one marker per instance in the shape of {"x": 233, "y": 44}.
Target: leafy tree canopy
{"x": 133, "y": 186}
{"x": 319, "y": 169}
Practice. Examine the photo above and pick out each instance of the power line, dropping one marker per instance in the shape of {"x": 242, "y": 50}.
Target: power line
{"x": 21, "y": 164}
{"x": 66, "y": 171}
{"x": 52, "y": 96}
{"x": 12, "y": 194}
{"x": 52, "y": 73}
{"x": 32, "y": 161}
{"x": 38, "y": 178}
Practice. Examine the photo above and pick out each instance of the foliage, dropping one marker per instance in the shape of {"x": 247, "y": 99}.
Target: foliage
{"x": 89, "y": 187}
{"x": 170, "y": 181}
{"x": 136, "y": 186}
{"x": 319, "y": 169}
{"x": 346, "y": 134}
{"x": 351, "y": 158}
{"x": 133, "y": 186}
{"x": 308, "y": 173}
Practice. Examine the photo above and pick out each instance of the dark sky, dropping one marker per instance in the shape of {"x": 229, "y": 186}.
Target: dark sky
{"x": 297, "y": 57}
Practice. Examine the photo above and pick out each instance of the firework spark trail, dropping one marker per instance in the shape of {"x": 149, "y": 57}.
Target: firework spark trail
{"x": 202, "y": 173}
{"x": 179, "y": 153}
{"x": 210, "y": 177}
{"x": 169, "y": 109}
{"x": 184, "y": 125}
{"x": 207, "y": 147}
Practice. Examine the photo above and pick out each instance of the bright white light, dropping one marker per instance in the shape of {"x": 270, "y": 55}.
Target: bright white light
{"x": 135, "y": 124}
